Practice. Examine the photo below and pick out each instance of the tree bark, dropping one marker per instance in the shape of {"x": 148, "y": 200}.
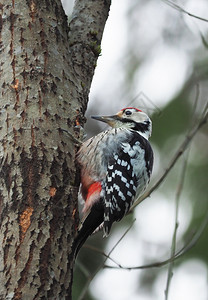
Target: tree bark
{"x": 46, "y": 71}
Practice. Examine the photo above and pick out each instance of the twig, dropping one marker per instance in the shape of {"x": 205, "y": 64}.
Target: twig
{"x": 121, "y": 238}
{"x": 175, "y": 158}
{"x": 177, "y": 199}
{"x": 173, "y": 246}
{"x": 83, "y": 269}
{"x": 107, "y": 256}
{"x": 84, "y": 291}
{"x": 73, "y": 138}
{"x": 181, "y": 252}
{"x": 179, "y": 8}
{"x": 188, "y": 245}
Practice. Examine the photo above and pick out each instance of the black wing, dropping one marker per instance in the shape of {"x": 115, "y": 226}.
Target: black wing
{"x": 121, "y": 183}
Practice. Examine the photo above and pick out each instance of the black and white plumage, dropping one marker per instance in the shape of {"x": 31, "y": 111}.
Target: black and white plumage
{"x": 115, "y": 170}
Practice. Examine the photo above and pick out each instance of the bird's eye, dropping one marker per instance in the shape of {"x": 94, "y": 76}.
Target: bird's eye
{"x": 128, "y": 112}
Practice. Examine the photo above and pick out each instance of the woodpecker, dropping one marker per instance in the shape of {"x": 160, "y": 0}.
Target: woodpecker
{"x": 116, "y": 166}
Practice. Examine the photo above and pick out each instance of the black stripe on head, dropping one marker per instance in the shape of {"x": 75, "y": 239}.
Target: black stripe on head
{"x": 142, "y": 127}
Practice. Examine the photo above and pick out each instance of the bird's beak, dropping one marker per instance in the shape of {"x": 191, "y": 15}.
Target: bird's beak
{"x": 110, "y": 120}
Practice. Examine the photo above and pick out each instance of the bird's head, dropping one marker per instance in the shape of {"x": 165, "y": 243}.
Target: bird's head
{"x": 130, "y": 118}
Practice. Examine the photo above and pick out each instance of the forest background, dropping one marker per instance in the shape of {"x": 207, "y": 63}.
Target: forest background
{"x": 154, "y": 57}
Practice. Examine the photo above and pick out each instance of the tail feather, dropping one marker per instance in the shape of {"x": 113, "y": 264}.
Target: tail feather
{"x": 92, "y": 221}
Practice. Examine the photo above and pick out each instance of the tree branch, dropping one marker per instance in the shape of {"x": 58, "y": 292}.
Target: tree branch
{"x": 173, "y": 246}
{"x": 177, "y": 198}
{"x": 191, "y": 243}
{"x": 85, "y": 34}
{"x": 107, "y": 256}
{"x": 180, "y": 9}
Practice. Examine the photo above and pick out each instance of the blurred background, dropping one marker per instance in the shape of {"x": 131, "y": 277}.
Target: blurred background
{"x": 154, "y": 57}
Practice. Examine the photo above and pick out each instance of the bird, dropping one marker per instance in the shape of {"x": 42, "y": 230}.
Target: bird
{"x": 115, "y": 167}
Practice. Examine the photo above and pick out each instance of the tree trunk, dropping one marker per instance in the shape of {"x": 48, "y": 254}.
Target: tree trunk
{"x": 45, "y": 75}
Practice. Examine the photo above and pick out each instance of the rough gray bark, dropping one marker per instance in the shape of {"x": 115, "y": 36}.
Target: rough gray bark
{"x": 45, "y": 77}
